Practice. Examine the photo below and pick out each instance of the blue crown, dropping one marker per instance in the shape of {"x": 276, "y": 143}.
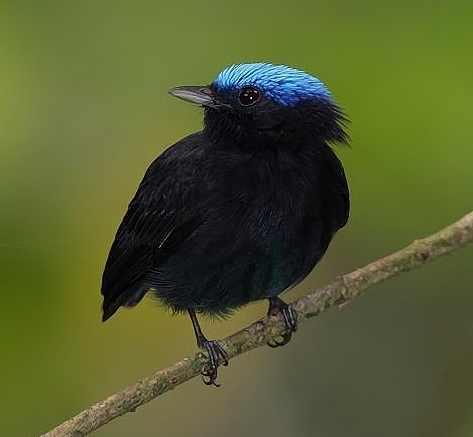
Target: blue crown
{"x": 284, "y": 85}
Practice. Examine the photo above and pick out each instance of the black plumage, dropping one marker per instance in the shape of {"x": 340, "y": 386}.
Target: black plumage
{"x": 240, "y": 211}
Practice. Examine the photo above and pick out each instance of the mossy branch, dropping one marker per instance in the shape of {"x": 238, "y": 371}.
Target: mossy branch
{"x": 338, "y": 292}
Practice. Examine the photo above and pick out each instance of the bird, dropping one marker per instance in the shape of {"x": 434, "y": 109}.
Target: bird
{"x": 240, "y": 211}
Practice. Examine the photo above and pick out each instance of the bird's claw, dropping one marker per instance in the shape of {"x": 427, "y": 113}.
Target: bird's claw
{"x": 278, "y": 306}
{"x": 217, "y": 355}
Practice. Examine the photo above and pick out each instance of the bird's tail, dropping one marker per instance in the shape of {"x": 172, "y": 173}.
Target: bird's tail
{"x": 128, "y": 299}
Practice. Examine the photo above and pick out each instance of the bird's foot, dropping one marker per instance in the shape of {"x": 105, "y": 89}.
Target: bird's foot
{"x": 216, "y": 354}
{"x": 278, "y": 306}
{"x": 214, "y": 350}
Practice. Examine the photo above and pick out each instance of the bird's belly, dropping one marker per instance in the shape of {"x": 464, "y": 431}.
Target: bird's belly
{"x": 219, "y": 277}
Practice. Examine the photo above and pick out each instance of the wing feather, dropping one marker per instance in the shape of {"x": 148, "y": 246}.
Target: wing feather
{"x": 155, "y": 224}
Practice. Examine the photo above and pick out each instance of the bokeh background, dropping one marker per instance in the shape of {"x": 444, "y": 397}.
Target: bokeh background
{"x": 84, "y": 109}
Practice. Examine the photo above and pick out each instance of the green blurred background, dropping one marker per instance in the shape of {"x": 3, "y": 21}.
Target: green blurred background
{"x": 84, "y": 109}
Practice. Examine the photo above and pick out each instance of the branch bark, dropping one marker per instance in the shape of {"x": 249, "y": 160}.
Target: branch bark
{"x": 338, "y": 292}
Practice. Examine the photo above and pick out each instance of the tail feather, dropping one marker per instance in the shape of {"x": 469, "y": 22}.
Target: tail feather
{"x": 126, "y": 299}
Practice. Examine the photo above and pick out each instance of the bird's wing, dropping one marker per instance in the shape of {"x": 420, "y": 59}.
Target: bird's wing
{"x": 157, "y": 221}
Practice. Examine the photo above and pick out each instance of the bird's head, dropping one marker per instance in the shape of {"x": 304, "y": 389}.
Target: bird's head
{"x": 248, "y": 103}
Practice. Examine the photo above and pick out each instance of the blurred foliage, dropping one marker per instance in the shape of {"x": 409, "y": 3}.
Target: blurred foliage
{"x": 84, "y": 109}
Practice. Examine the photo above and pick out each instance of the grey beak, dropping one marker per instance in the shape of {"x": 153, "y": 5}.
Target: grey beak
{"x": 201, "y": 95}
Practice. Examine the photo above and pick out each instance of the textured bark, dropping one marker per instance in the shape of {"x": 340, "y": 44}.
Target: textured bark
{"x": 336, "y": 293}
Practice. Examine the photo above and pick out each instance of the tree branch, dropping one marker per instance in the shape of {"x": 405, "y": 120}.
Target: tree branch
{"x": 339, "y": 291}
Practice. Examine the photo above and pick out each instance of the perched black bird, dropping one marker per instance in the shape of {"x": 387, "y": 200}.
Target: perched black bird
{"x": 238, "y": 212}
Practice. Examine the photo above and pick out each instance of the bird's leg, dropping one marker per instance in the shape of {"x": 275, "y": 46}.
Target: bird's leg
{"x": 278, "y": 306}
{"x": 214, "y": 351}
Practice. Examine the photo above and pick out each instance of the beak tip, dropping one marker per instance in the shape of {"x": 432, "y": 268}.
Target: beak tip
{"x": 172, "y": 91}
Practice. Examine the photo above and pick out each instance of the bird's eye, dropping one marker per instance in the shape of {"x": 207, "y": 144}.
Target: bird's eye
{"x": 248, "y": 96}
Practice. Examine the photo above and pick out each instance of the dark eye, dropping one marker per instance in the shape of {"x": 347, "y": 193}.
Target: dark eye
{"x": 248, "y": 96}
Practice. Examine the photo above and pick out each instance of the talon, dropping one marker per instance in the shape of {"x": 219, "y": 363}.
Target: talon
{"x": 215, "y": 353}
{"x": 214, "y": 350}
{"x": 278, "y": 306}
